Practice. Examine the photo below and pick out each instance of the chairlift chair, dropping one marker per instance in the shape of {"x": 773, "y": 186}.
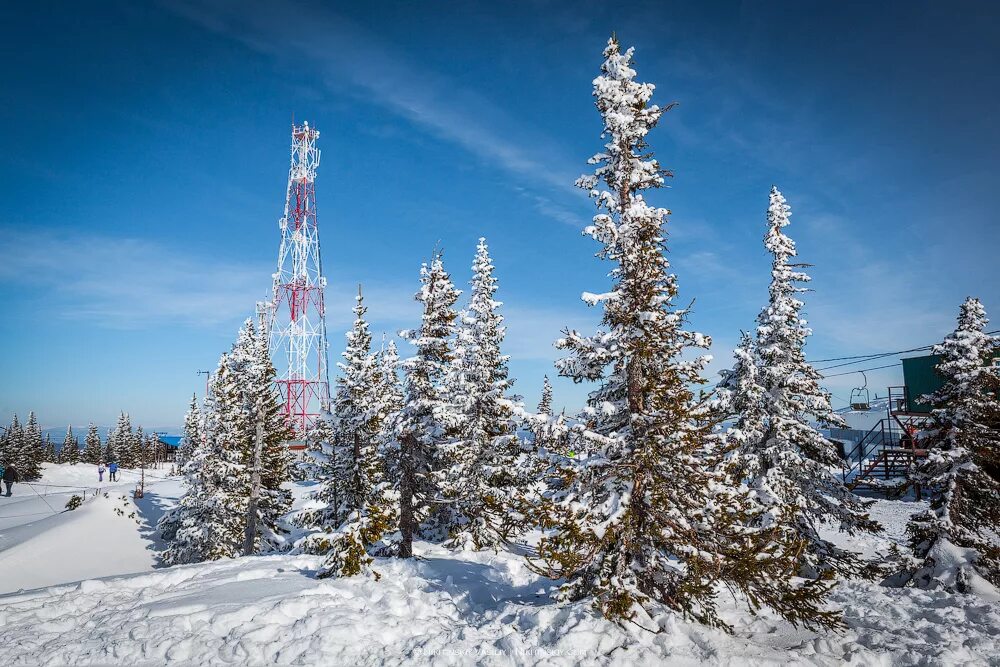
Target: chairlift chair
{"x": 860, "y": 399}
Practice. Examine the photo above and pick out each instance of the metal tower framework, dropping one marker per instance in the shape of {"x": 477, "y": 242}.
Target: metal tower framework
{"x": 296, "y": 314}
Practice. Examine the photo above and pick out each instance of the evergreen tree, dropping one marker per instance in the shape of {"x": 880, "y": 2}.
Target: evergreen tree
{"x": 201, "y": 526}
{"x": 50, "y": 455}
{"x": 545, "y": 403}
{"x": 210, "y": 520}
{"x": 638, "y": 521}
{"x": 743, "y": 399}
{"x": 112, "y": 446}
{"x": 29, "y": 461}
{"x": 956, "y": 537}
{"x": 139, "y": 448}
{"x": 480, "y": 479}
{"x": 70, "y": 450}
{"x": 354, "y": 512}
{"x": 782, "y": 457}
{"x": 92, "y": 446}
{"x": 192, "y": 432}
{"x": 422, "y": 423}
{"x": 124, "y": 442}
{"x": 13, "y": 444}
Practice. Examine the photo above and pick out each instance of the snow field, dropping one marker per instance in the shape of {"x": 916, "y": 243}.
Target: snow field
{"x": 449, "y": 609}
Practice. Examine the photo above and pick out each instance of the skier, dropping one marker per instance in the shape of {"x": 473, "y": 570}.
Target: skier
{"x": 100, "y": 472}
{"x": 113, "y": 471}
{"x": 9, "y": 477}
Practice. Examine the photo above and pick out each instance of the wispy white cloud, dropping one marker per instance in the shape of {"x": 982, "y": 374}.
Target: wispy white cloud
{"x": 341, "y": 52}
{"x": 126, "y": 283}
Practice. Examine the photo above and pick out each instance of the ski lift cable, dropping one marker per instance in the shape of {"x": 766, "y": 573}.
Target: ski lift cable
{"x": 860, "y": 358}
{"x": 876, "y": 368}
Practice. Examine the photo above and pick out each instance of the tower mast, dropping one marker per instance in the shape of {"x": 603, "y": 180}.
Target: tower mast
{"x": 296, "y": 315}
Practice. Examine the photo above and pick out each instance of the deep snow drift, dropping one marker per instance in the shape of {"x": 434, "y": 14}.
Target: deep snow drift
{"x": 445, "y": 608}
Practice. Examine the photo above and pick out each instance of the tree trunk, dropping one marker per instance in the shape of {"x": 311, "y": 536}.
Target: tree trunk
{"x": 406, "y": 489}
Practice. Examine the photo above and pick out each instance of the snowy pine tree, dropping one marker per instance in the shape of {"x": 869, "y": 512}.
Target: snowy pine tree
{"x": 192, "y": 432}
{"x": 92, "y": 446}
{"x": 545, "y": 403}
{"x": 32, "y": 452}
{"x": 50, "y": 455}
{"x": 637, "y": 522}
{"x": 123, "y": 444}
{"x": 70, "y": 450}
{"x": 112, "y": 447}
{"x": 479, "y": 478}
{"x": 196, "y": 529}
{"x": 957, "y": 538}
{"x": 782, "y": 455}
{"x": 210, "y": 519}
{"x": 355, "y": 511}
{"x": 10, "y": 442}
{"x": 422, "y": 423}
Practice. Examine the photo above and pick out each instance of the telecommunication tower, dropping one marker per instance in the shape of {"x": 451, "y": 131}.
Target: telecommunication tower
{"x": 295, "y": 315}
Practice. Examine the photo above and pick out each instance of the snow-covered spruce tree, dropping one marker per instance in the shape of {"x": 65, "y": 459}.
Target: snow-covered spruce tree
{"x": 49, "y": 448}
{"x": 12, "y": 442}
{"x": 742, "y": 400}
{"x": 124, "y": 441}
{"x": 355, "y": 512}
{"x": 192, "y": 433}
{"x": 70, "y": 450}
{"x": 211, "y": 517}
{"x": 363, "y": 534}
{"x": 110, "y": 453}
{"x": 545, "y": 403}
{"x": 480, "y": 480}
{"x": 787, "y": 465}
{"x": 201, "y": 526}
{"x": 637, "y": 524}
{"x": 957, "y": 537}
{"x": 253, "y": 375}
{"x": 29, "y": 460}
{"x": 92, "y": 446}
{"x": 421, "y": 426}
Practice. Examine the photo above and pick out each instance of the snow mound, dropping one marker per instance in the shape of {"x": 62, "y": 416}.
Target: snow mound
{"x": 447, "y": 608}
{"x": 98, "y": 539}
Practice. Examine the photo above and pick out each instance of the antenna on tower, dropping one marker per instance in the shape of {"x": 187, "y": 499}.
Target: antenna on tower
{"x": 296, "y": 315}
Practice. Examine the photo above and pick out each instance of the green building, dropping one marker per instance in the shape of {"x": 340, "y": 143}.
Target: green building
{"x": 920, "y": 378}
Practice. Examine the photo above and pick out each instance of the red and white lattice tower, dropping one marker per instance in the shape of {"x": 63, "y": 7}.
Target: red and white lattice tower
{"x": 296, "y": 314}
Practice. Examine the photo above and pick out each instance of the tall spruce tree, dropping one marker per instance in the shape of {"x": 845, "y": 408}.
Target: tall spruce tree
{"x": 112, "y": 448}
{"x": 355, "y": 512}
{"x": 201, "y": 527}
{"x": 92, "y": 446}
{"x": 956, "y": 538}
{"x": 638, "y": 522}
{"x": 783, "y": 457}
{"x": 422, "y": 423}
{"x": 29, "y": 461}
{"x": 480, "y": 479}
{"x": 192, "y": 433}
{"x": 12, "y": 442}
{"x": 124, "y": 442}
{"x": 70, "y": 450}
{"x": 50, "y": 456}
{"x": 210, "y": 520}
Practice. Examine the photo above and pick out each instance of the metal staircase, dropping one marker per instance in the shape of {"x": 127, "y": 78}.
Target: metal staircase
{"x": 883, "y": 459}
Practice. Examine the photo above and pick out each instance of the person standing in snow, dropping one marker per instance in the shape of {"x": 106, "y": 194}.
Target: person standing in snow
{"x": 100, "y": 472}
{"x": 9, "y": 477}
{"x": 113, "y": 471}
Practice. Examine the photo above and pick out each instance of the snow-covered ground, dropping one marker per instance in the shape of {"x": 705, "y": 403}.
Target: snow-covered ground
{"x": 445, "y": 608}
{"x": 42, "y": 544}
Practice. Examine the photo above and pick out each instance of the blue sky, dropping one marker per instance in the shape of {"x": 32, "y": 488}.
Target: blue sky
{"x": 145, "y": 156}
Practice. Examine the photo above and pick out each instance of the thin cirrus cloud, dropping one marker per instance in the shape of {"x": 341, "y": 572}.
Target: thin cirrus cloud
{"x": 341, "y": 52}
{"x": 125, "y": 283}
